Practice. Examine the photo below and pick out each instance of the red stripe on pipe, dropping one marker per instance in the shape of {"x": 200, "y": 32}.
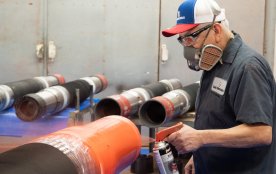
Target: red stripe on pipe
{"x": 60, "y": 78}
{"x": 124, "y": 103}
{"x": 168, "y": 106}
{"x": 103, "y": 79}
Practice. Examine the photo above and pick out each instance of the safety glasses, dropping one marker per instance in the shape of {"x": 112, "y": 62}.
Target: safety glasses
{"x": 191, "y": 38}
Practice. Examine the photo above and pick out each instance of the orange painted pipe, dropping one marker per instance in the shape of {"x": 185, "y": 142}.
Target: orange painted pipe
{"x": 109, "y": 144}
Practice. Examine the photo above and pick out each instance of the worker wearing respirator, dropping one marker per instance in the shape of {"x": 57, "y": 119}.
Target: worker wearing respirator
{"x": 235, "y": 105}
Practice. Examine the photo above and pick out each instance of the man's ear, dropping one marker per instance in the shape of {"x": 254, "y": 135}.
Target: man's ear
{"x": 218, "y": 32}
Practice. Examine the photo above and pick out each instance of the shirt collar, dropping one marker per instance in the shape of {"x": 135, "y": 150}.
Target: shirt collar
{"x": 231, "y": 49}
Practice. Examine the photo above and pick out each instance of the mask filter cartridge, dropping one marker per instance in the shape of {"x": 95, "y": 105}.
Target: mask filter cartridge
{"x": 210, "y": 55}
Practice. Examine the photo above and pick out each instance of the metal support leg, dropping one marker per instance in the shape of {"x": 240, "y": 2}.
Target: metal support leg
{"x": 79, "y": 117}
{"x": 93, "y": 118}
{"x": 152, "y": 135}
{"x": 139, "y": 128}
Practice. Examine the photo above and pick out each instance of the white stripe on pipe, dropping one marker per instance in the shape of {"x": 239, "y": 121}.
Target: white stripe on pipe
{"x": 167, "y": 82}
{"x": 63, "y": 91}
{"x": 144, "y": 93}
{"x": 8, "y": 99}
{"x": 91, "y": 82}
{"x": 46, "y": 83}
{"x": 187, "y": 100}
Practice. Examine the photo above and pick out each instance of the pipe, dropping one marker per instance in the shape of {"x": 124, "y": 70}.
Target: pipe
{"x": 160, "y": 110}
{"x": 51, "y": 100}
{"x": 11, "y": 92}
{"x": 108, "y": 145}
{"x": 269, "y": 31}
{"x": 127, "y": 104}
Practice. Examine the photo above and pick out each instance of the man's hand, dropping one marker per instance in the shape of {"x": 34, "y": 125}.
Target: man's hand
{"x": 190, "y": 168}
{"x": 186, "y": 140}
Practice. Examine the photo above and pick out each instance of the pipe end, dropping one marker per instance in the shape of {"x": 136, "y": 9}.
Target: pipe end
{"x": 29, "y": 108}
{"x": 106, "y": 107}
{"x": 104, "y": 81}
{"x": 153, "y": 113}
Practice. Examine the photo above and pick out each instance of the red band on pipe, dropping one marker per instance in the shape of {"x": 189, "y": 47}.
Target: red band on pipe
{"x": 103, "y": 79}
{"x": 167, "y": 104}
{"x": 60, "y": 78}
{"x": 124, "y": 103}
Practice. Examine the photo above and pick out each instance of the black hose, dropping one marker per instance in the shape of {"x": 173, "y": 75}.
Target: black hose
{"x": 156, "y": 89}
{"x": 32, "y": 106}
{"x": 24, "y": 87}
{"x": 71, "y": 87}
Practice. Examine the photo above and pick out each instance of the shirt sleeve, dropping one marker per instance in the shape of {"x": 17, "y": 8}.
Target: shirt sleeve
{"x": 253, "y": 100}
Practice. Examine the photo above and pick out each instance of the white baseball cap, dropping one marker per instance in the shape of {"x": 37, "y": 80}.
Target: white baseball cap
{"x": 191, "y": 13}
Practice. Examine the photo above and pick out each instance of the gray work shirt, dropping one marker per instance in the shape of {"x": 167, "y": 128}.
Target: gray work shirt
{"x": 241, "y": 90}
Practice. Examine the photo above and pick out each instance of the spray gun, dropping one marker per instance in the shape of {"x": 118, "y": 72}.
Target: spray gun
{"x": 161, "y": 135}
{"x": 162, "y": 151}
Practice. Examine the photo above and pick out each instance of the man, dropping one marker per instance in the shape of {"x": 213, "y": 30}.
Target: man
{"x": 235, "y": 106}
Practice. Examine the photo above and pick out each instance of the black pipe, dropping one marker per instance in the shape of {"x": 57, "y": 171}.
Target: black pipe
{"x": 24, "y": 87}
{"x": 11, "y": 92}
{"x": 71, "y": 87}
{"x": 33, "y": 106}
{"x": 156, "y": 89}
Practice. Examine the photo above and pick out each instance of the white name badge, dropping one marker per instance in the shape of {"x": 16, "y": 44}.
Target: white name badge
{"x": 219, "y": 85}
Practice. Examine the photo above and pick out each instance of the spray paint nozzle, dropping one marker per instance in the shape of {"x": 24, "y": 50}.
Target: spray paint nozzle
{"x": 166, "y": 132}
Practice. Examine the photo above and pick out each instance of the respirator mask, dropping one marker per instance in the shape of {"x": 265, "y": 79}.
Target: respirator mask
{"x": 207, "y": 56}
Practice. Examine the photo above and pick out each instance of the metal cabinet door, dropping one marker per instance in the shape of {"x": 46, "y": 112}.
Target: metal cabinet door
{"x": 245, "y": 17}
{"x": 116, "y": 38}
{"x": 21, "y": 29}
